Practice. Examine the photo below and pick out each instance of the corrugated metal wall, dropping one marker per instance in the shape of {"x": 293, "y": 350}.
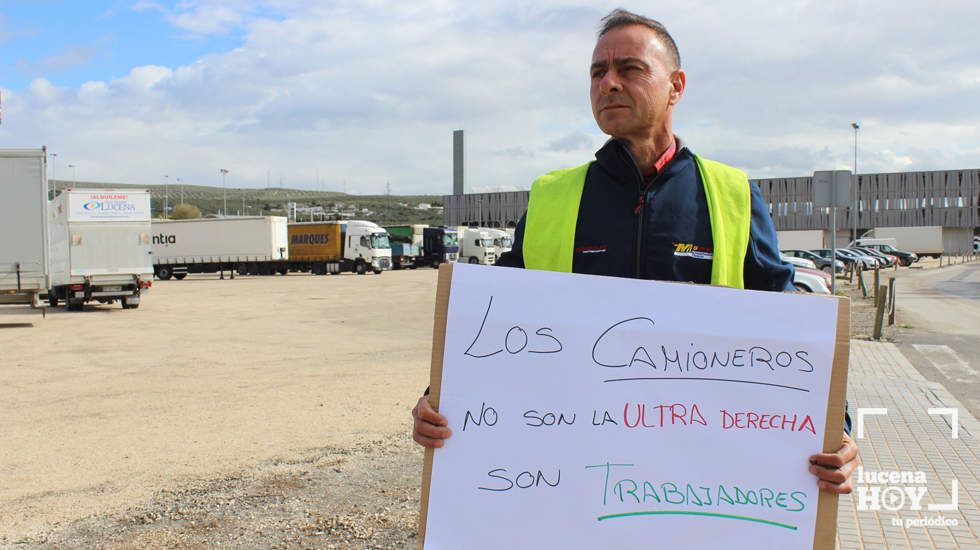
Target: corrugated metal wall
{"x": 949, "y": 198}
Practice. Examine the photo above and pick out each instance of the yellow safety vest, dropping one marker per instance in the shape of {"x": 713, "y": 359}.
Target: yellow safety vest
{"x": 552, "y": 214}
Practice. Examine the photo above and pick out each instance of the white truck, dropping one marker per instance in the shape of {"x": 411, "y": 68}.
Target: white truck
{"x": 476, "y": 246}
{"x": 24, "y": 265}
{"x": 100, "y": 247}
{"x": 805, "y": 239}
{"x": 249, "y": 245}
{"x": 502, "y": 240}
{"x": 932, "y": 240}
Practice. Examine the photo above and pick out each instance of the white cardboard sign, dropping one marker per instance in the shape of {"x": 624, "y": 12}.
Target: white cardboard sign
{"x": 593, "y": 412}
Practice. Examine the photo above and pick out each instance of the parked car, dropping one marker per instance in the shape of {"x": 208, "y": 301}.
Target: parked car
{"x": 798, "y": 262}
{"x": 905, "y": 258}
{"x": 811, "y": 280}
{"x": 843, "y": 258}
{"x": 875, "y": 260}
{"x": 821, "y": 262}
{"x": 885, "y": 259}
{"x": 865, "y": 261}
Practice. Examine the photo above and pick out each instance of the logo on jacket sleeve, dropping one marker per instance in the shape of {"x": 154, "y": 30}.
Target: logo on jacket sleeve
{"x": 693, "y": 251}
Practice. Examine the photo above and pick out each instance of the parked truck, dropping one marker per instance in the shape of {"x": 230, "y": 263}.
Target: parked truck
{"x": 248, "y": 245}
{"x": 24, "y": 264}
{"x": 476, "y": 246}
{"x": 807, "y": 239}
{"x": 502, "y": 240}
{"x": 336, "y": 247}
{"x": 927, "y": 240}
{"x": 421, "y": 245}
{"x": 100, "y": 247}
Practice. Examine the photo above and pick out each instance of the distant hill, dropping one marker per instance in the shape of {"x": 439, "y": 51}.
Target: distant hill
{"x": 272, "y": 201}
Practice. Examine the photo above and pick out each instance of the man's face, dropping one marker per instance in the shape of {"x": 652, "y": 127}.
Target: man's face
{"x": 634, "y": 83}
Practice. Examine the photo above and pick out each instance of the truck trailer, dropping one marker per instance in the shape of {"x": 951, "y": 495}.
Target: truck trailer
{"x": 422, "y": 245}
{"x": 336, "y": 247}
{"x": 100, "y": 247}
{"x": 248, "y": 245}
{"x": 24, "y": 263}
{"x": 927, "y": 240}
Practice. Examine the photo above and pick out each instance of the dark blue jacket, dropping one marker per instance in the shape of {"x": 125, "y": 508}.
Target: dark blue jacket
{"x": 658, "y": 228}
{"x": 629, "y": 226}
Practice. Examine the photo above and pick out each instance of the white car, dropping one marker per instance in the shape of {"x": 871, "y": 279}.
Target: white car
{"x": 798, "y": 262}
{"x": 814, "y": 281}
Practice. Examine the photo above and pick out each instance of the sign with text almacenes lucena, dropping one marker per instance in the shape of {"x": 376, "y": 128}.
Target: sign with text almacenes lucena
{"x": 594, "y": 412}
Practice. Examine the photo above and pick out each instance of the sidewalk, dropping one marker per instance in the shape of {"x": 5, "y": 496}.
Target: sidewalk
{"x": 908, "y": 439}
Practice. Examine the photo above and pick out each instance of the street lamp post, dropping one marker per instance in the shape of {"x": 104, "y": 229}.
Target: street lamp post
{"x": 74, "y": 178}
{"x": 224, "y": 192}
{"x": 854, "y": 236}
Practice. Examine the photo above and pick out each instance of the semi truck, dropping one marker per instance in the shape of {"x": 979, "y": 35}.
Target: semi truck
{"x": 421, "y": 245}
{"x": 502, "y": 240}
{"x": 248, "y": 245}
{"x": 100, "y": 247}
{"x": 24, "y": 263}
{"x": 336, "y": 247}
{"x": 476, "y": 246}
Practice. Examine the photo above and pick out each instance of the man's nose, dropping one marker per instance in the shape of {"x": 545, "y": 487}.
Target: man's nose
{"x": 610, "y": 82}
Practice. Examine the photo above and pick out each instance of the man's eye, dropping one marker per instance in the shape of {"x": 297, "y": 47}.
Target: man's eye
{"x": 598, "y": 74}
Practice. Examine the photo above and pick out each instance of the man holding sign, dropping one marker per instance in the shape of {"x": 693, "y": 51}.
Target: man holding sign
{"x": 648, "y": 207}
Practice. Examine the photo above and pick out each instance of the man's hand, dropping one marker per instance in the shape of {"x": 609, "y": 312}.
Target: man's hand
{"x": 834, "y": 469}
{"x": 431, "y": 428}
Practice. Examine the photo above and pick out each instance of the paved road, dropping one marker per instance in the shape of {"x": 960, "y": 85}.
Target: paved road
{"x": 939, "y": 312}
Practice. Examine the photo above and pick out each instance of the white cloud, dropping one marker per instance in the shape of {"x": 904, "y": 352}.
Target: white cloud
{"x": 370, "y": 92}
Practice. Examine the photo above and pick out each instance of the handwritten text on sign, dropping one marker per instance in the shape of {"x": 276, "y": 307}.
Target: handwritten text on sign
{"x": 591, "y": 411}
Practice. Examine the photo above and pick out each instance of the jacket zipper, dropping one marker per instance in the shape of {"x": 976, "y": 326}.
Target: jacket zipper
{"x": 640, "y": 210}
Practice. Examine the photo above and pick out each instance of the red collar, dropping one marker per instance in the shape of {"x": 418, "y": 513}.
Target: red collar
{"x": 665, "y": 158}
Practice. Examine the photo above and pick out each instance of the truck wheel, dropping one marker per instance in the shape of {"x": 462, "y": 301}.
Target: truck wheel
{"x": 179, "y": 276}
{"x": 360, "y": 268}
{"x": 72, "y": 304}
{"x": 53, "y": 298}
{"x": 127, "y": 305}
{"x": 473, "y": 260}
{"x": 164, "y": 273}
{"x": 377, "y": 272}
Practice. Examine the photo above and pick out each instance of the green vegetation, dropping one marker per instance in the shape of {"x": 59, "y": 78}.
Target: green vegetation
{"x": 185, "y": 212}
{"x": 382, "y": 209}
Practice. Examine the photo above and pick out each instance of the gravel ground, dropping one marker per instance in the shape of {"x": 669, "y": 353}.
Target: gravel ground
{"x": 360, "y": 495}
{"x": 358, "y": 498}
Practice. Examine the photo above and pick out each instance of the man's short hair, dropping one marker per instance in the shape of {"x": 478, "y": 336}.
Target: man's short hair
{"x": 621, "y": 18}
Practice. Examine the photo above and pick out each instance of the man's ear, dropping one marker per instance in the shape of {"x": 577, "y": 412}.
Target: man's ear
{"x": 678, "y": 81}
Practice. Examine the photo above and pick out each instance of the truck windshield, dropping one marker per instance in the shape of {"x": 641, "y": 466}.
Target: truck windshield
{"x": 449, "y": 239}
{"x": 380, "y": 240}
{"x": 506, "y": 242}
{"x": 486, "y": 243}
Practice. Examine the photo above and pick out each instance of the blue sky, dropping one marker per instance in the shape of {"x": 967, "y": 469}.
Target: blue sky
{"x": 70, "y": 43}
{"x": 366, "y": 92}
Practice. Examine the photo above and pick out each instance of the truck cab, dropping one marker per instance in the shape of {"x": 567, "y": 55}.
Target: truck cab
{"x": 476, "y": 246}
{"x": 367, "y": 245}
{"x": 440, "y": 245}
{"x": 502, "y": 240}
